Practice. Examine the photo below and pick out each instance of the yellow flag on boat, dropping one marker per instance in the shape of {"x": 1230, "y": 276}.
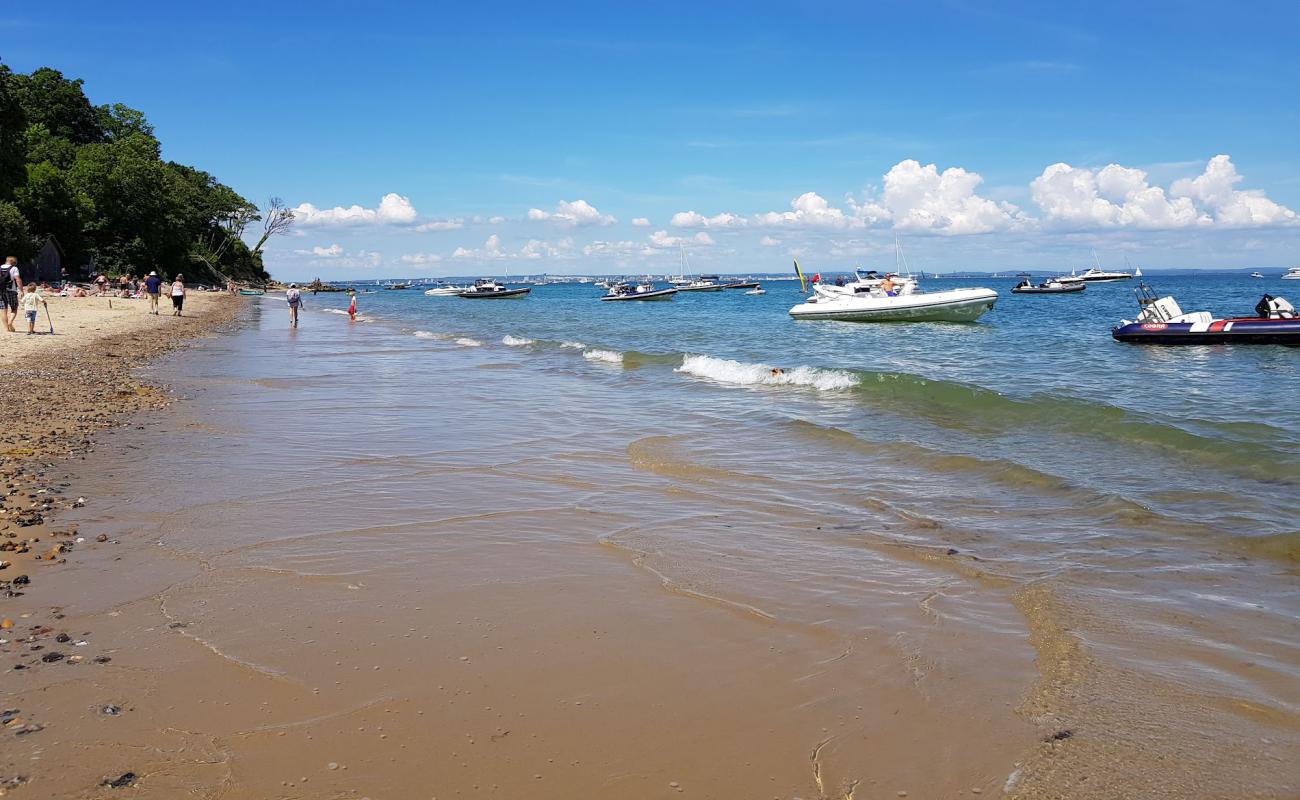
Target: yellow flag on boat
{"x": 803, "y": 285}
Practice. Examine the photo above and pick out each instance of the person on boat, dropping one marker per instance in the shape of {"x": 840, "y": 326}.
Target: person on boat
{"x": 888, "y": 286}
{"x": 294, "y": 298}
{"x": 839, "y": 280}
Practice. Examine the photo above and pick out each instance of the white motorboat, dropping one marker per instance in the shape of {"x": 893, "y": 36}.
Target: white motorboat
{"x": 638, "y": 291}
{"x": 757, "y": 290}
{"x": 1292, "y": 274}
{"x": 448, "y": 291}
{"x": 488, "y": 289}
{"x": 872, "y": 298}
{"x": 1094, "y": 275}
{"x": 1256, "y": 274}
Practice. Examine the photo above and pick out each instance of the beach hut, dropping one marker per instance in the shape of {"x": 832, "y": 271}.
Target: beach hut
{"x": 46, "y": 265}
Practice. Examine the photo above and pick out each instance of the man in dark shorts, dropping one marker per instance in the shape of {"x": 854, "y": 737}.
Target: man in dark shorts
{"x": 153, "y": 287}
{"x": 11, "y": 283}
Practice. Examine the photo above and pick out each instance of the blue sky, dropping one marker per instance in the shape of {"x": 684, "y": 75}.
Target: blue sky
{"x": 579, "y": 137}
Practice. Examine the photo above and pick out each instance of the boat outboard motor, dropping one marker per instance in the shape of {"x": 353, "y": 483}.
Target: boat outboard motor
{"x": 1270, "y": 307}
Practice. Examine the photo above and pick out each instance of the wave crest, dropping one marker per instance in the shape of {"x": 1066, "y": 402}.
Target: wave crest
{"x": 515, "y": 341}
{"x": 603, "y": 356}
{"x": 465, "y": 341}
{"x": 724, "y": 370}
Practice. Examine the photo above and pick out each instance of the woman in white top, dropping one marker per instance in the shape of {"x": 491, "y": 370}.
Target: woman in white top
{"x": 178, "y": 294}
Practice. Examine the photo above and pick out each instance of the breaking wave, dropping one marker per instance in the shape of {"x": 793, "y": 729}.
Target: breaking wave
{"x": 573, "y": 345}
{"x": 603, "y": 356}
{"x": 515, "y": 341}
{"x": 739, "y": 373}
{"x": 430, "y": 335}
{"x": 465, "y": 341}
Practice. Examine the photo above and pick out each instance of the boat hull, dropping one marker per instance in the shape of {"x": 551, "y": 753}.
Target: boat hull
{"x": 508, "y": 293}
{"x": 1064, "y": 289}
{"x": 700, "y": 288}
{"x": 955, "y": 305}
{"x": 661, "y": 294}
{"x": 1219, "y": 331}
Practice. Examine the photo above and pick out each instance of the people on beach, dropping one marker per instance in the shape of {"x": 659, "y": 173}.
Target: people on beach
{"x": 11, "y": 282}
{"x": 294, "y": 297}
{"x": 178, "y": 295}
{"x": 153, "y": 287}
{"x": 32, "y": 301}
{"x": 101, "y": 283}
{"x": 352, "y": 306}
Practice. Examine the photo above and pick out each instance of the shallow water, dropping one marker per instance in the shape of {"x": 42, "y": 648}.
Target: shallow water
{"x": 901, "y": 564}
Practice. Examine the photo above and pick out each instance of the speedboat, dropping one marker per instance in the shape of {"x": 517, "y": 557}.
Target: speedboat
{"x": 488, "y": 289}
{"x": 448, "y": 291}
{"x": 1256, "y": 274}
{"x": 638, "y": 291}
{"x": 872, "y": 298}
{"x": 1050, "y": 286}
{"x": 1162, "y": 321}
{"x": 757, "y": 290}
{"x": 741, "y": 285}
{"x": 1094, "y": 275}
{"x": 1292, "y": 274}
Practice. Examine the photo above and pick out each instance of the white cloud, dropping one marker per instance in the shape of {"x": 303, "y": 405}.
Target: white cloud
{"x": 496, "y": 220}
{"x": 809, "y": 210}
{"x": 491, "y": 249}
{"x": 441, "y": 225}
{"x": 1230, "y": 207}
{"x": 1122, "y": 197}
{"x": 333, "y": 251}
{"x": 420, "y": 258}
{"x": 768, "y": 241}
{"x": 920, "y": 198}
{"x": 692, "y": 219}
{"x": 641, "y": 222}
{"x": 662, "y": 239}
{"x": 394, "y": 209}
{"x": 578, "y": 213}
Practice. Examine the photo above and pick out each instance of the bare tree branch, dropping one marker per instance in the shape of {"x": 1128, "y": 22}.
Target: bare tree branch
{"x": 279, "y": 218}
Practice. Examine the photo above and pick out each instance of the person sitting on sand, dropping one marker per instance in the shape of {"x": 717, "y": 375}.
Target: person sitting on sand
{"x": 32, "y": 301}
{"x": 178, "y": 295}
{"x": 80, "y": 291}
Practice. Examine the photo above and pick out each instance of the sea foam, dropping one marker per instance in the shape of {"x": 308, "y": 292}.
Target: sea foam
{"x": 465, "y": 341}
{"x": 740, "y": 373}
{"x": 515, "y": 341}
{"x": 573, "y": 345}
{"x": 603, "y": 356}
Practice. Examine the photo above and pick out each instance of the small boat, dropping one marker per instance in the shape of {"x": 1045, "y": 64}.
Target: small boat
{"x": 488, "y": 289}
{"x": 1162, "y": 321}
{"x": 1292, "y": 274}
{"x": 1048, "y": 287}
{"x": 448, "y": 291}
{"x": 756, "y": 290}
{"x": 393, "y": 286}
{"x": 741, "y": 285}
{"x": 252, "y": 292}
{"x": 638, "y": 291}
{"x": 1256, "y": 274}
{"x": 871, "y": 299}
{"x": 704, "y": 283}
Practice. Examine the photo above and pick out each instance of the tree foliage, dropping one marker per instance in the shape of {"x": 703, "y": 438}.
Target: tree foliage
{"x": 93, "y": 177}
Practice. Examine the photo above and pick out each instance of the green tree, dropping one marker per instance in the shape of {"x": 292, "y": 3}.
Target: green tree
{"x": 15, "y": 235}
{"x": 59, "y": 104}
{"x": 13, "y": 123}
{"x": 53, "y": 209}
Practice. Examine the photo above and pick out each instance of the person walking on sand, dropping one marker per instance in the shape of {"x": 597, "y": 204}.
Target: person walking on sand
{"x": 153, "y": 288}
{"x": 11, "y": 283}
{"x": 294, "y": 298}
{"x": 178, "y": 295}
{"x": 32, "y": 301}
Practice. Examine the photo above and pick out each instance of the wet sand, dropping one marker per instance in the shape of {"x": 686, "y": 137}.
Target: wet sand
{"x": 309, "y": 587}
